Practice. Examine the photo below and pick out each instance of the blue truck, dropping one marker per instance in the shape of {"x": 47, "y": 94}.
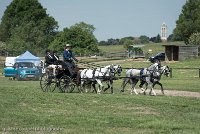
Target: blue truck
{"x": 22, "y": 71}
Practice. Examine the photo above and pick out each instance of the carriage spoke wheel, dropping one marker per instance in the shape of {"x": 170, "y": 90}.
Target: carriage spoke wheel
{"x": 47, "y": 83}
{"x": 66, "y": 84}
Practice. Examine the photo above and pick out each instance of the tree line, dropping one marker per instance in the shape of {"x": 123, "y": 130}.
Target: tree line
{"x": 25, "y": 26}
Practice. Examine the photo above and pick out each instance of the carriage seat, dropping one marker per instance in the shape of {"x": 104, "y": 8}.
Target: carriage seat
{"x": 54, "y": 68}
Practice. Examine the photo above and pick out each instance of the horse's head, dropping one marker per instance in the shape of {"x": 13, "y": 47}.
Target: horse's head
{"x": 165, "y": 70}
{"x": 117, "y": 69}
{"x": 108, "y": 70}
{"x": 112, "y": 70}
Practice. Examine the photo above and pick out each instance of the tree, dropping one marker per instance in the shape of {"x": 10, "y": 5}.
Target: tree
{"x": 113, "y": 41}
{"x": 194, "y": 39}
{"x": 158, "y": 39}
{"x": 144, "y": 39}
{"x": 80, "y": 36}
{"x": 103, "y": 43}
{"x": 152, "y": 39}
{"x": 188, "y": 22}
{"x": 123, "y": 40}
{"x": 170, "y": 37}
{"x": 26, "y": 25}
{"x": 127, "y": 42}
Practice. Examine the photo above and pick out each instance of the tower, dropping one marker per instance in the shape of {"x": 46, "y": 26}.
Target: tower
{"x": 164, "y": 32}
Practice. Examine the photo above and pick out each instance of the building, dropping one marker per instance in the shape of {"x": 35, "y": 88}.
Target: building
{"x": 180, "y": 52}
{"x": 163, "y": 32}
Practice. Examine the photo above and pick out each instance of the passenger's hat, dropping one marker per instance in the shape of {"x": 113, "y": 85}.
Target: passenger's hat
{"x": 48, "y": 51}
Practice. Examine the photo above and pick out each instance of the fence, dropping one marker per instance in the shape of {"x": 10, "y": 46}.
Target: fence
{"x": 174, "y": 72}
{"x": 185, "y": 72}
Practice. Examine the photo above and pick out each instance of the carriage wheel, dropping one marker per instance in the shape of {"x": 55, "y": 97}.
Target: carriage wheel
{"x": 66, "y": 84}
{"x": 47, "y": 83}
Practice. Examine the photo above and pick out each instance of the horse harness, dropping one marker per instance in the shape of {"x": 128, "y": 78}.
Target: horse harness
{"x": 104, "y": 74}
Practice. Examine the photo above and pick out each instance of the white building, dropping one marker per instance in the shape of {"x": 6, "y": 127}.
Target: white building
{"x": 164, "y": 32}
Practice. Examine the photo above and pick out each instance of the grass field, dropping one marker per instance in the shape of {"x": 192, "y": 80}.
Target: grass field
{"x": 24, "y": 108}
{"x": 24, "y": 105}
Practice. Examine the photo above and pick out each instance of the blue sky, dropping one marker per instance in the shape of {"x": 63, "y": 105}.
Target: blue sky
{"x": 114, "y": 18}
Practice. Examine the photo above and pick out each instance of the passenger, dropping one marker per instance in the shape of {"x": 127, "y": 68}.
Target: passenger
{"x": 48, "y": 58}
{"x": 55, "y": 56}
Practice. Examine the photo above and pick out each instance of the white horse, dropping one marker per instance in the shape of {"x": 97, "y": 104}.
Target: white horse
{"x": 96, "y": 75}
{"x": 118, "y": 71}
{"x": 164, "y": 70}
{"x": 133, "y": 76}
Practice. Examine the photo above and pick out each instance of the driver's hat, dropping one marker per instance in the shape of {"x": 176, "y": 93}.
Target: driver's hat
{"x": 67, "y": 45}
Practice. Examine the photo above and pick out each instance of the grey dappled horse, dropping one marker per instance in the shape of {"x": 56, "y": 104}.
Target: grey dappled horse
{"x": 155, "y": 79}
{"x": 98, "y": 76}
{"x": 134, "y": 75}
{"x": 118, "y": 71}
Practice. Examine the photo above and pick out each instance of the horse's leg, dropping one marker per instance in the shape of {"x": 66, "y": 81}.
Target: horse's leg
{"x": 86, "y": 87}
{"x": 142, "y": 82}
{"x": 100, "y": 86}
{"x": 133, "y": 83}
{"x": 146, "y": 86}
{"x": 108, "y": 84}
{"x": 162, "y": 89}
{"x": 152, "y": 90}
{"x": 157, "y": 82}
{"x": 125, "y": 81}
{"x": 147, "y": 83}
{"x": 111, "y": 86}
{"x": 94, "y": 87}
{"x": 82, "y": 86}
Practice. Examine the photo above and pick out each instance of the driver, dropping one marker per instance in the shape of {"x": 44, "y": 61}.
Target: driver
{"x": 69, "y": 59}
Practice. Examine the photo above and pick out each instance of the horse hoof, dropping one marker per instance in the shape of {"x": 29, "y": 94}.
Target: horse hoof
{"x": 152, "y": 94}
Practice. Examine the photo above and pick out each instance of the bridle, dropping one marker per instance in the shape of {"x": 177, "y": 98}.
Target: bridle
{"x": 165, "y": 70}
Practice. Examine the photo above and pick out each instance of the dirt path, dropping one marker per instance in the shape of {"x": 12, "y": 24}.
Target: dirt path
{"x": 179, "y": 93}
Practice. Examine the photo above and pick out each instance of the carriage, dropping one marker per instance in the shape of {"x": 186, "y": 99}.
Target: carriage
{"x": 57, "y": 76}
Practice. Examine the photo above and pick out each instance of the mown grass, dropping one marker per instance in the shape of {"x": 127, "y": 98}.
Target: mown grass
{"x": 24, "y": 105}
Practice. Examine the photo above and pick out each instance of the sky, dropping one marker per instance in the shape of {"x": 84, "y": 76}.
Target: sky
{"x": 114, "y": 18}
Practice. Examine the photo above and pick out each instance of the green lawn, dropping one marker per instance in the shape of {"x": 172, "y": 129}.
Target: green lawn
{"x": 24, "y": 105}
